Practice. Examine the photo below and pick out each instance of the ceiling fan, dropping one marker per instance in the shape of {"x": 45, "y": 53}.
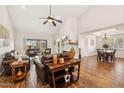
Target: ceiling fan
{"x": 51, "y": 19}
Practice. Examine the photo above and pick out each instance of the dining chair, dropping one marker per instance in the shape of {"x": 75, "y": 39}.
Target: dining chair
{"x": 114, "y": 58}
{"x": 110, "y": 56}
{"x": 101, "y": 55}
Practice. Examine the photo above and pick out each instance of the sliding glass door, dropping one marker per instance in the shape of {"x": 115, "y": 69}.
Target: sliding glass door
{"x": 37, "y": 44}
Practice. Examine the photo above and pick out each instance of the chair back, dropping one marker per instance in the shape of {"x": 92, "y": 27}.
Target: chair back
{"x": 114, "y": 52}
{"x": 100, "y": 51}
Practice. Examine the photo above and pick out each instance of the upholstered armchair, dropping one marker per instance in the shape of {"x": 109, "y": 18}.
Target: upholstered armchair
{"x": 41, "y": 68}
{"x": 8, "y": 59}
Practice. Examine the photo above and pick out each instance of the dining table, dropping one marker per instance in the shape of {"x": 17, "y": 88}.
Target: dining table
{"x": 106, "y": 54}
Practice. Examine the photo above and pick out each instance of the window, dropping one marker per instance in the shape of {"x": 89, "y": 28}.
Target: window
{"x": 39, "y": 44}
{"x": 119, "y": 43}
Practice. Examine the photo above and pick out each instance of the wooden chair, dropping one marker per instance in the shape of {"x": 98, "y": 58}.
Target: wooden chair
{"x": 111, "y": 56}
{"x": 101, "y": 55}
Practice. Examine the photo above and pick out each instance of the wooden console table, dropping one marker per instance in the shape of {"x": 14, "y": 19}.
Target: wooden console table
{"x": 18, "y": 75}
{"x": 61, "y": 67}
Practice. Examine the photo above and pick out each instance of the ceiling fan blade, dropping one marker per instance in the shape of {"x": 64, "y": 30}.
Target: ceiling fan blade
{"x": 45, "y": 22}
{"x": 54, "y": 23}
{"x": 58, "y": 20}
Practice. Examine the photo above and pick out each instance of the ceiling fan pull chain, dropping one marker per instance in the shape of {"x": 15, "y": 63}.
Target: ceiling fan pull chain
{"x": 50, "y": 10}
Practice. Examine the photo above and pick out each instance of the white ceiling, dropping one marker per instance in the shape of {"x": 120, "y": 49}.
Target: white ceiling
{"x": 26, "y": 18}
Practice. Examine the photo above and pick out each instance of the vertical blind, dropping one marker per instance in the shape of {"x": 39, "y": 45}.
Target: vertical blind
{"x": 4, "y": 33}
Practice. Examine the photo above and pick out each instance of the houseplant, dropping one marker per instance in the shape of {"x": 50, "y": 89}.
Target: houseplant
{"x": 105, "y": 46}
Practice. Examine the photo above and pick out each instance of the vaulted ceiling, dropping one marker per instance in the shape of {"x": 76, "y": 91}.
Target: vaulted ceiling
{"x": 26, "y": 18}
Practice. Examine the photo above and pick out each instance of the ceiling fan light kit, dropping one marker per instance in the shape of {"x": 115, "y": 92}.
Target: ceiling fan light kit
{"x": 51, "y": 19}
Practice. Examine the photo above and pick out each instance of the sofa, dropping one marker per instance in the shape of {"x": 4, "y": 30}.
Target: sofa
{"x": 42, "y": 70}
{"x": 32, "y": 52}
{"x": 8, "y": 59}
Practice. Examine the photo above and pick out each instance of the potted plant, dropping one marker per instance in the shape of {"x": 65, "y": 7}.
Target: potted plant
{"x": 105, "y": 46}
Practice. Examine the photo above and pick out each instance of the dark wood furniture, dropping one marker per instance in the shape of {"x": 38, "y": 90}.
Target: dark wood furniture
{"x": 19, "y": 70}
{"x": 57, "y": 73}
{"x": 101, "y": 55}
{"x": 106, "y": 55}
{"x": 111, "y": 55}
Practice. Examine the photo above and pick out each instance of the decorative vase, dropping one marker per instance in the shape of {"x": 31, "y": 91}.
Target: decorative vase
{"x": 54, "y": 59}
{"x": 72, "y": 53}
{"x": 67, "y": 78}
{"x": 105, "y": 46}
{"x": 61, "y": 60}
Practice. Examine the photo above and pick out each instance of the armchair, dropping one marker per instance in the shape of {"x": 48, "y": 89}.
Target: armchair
{"x": 41, "y": 68}
{"x": 8, "y": 59}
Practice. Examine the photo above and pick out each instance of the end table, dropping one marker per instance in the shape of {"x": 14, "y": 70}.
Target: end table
{"x": 18, "y": 75}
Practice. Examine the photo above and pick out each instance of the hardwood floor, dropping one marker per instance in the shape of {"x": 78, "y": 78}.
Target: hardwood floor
{"x": 93, "y": 74}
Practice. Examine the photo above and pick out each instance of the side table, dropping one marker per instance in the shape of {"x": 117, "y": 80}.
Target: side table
{"x": 17, "y": 73}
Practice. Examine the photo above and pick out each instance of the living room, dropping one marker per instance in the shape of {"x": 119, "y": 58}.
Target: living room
{"x": 31, "y": 33}
{"x": 36, "y": 36}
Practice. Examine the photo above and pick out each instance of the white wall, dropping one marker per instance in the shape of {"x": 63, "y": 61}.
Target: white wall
{"x": 5, "y": 20}
{"x": 70, "y": 28}
{"x": 20, "y": 36}
{"x": 91, "y": 45}
{"x": 87, "y": 49}
{"x": 119, "y": 52}
{"x": 97, "y": 17}
{"x": 83, "y": 44}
